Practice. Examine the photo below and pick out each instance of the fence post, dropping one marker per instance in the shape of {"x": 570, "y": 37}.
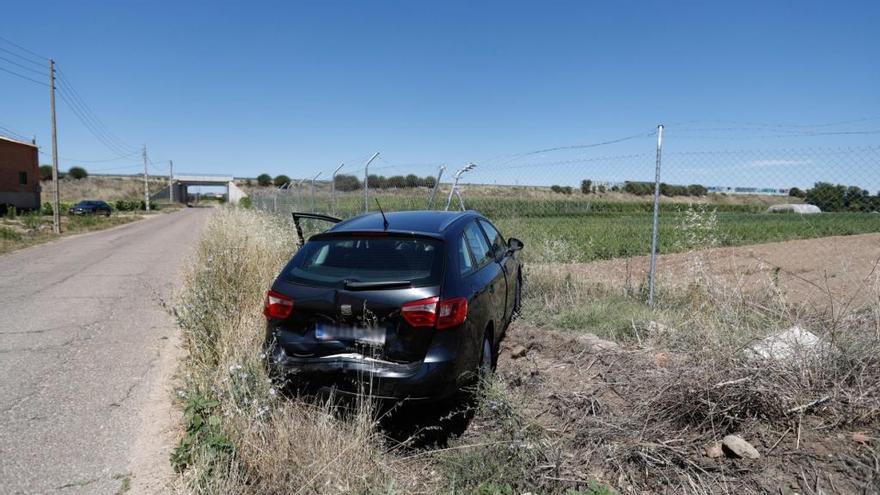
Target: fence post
{"x": 367, "y": 183}
{"x": 436, "y": 186}
{"x": 333, "y": 190}
{"x": 653, "y": 270}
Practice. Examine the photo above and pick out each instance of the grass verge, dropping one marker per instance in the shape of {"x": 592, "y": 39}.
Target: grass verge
{"x": 24, "y": 230}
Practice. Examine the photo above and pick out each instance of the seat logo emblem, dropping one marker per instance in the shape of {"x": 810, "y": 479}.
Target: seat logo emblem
{"x": 345, "y": 309}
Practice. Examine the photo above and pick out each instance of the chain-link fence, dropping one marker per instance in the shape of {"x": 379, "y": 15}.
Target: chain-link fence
{"x": 591, "y": 206}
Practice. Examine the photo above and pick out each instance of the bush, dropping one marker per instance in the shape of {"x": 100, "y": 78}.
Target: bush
{"x": 556, "y": 188}
{"x": 345, "y": 182}
{"x": 129, "y": 205}
{"x": 795, "y": 192}
{"x": 77, "y": 173}
{"x": 245, "y": 202}
{"x": 46, "y": 209}
{"x": 45, "y": 172}
{"x": 280, "y": 180}
{"x": 264, "y": 180}
{"x": 586, "y": 186}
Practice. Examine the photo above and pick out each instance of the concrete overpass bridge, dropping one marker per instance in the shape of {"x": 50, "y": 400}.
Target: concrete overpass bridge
{"x": 177, "y": 190}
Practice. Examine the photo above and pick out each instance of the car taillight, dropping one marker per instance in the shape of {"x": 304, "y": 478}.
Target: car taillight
{"x": 432, "y": 312}
{"x": 277, "y": 305}
{"x": 451, "y": 312}
{"x": 421, "y": 313}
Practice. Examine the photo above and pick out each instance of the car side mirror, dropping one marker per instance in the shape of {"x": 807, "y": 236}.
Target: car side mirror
{"x": 514, "y": 244}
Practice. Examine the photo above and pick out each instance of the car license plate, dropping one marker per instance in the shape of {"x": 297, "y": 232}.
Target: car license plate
{"x": 368, "y": 335}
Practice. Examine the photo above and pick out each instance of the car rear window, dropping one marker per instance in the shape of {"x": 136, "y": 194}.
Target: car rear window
{"x": 330, "y": 262}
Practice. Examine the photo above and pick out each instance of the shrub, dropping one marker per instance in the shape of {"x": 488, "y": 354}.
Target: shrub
{"x": 264, "y": 180}
{"x": 245, "y": 202}
{"x": 280, "y": 180}
{"x": 45, "y": 172}
{"x": 345, "y": 182}
{"x": 77, "y": 173}
{"x": 556, "y": 188}
{"x": 129, "y": 205}
{"x": 586, "y": 186}
{"x": 795, "y": 192}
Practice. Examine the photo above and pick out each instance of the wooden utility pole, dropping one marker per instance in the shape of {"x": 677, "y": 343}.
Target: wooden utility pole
{"x": 56, "y": 213}
{"x": 146, "y": 181}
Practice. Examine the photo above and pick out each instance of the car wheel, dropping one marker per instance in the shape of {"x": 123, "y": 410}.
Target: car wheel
{"x": 486, "y": 359}
{"x": 517, "y": 298}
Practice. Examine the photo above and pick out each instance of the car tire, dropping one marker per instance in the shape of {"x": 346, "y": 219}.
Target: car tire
{"x": 487, "y": 359}
{"x": 517, "y": 301}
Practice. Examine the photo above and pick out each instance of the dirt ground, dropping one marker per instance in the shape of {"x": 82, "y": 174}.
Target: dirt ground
{"x": 591, "y": 397}
{"x": 836, "y": 273}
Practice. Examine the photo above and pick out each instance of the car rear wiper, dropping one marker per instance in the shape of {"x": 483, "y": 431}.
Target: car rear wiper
{"x": 384, "y": 284}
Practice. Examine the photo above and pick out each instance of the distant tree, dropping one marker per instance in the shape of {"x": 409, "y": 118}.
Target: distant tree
{"x": 556, "y": 188}
{"x": 601, "y": 188}
{"x": 397, "y": 181}
{"x": 45, "y": 172}
{"x": 280, "y": 180}
{"x": 77, "y": 173}
{"x": 795, "y": 192}
{"x": 248, "y": 182}
{"x": 346, "y": 182}
{"x": 430, "y": 181}
{"x": 264, "y": 180}
{"x": 567, "y": 190}
{"x": 639, "y": 188}
{"x": 697, "y": 190}
{"x": 614, "y": 188}
{"x": 586, "y": 186}
{"x": 827, "y": 196}
{"x": 413, "y": 180}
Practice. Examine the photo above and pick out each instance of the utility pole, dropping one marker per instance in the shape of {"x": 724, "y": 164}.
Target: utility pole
{"x": 171, "y": 180}
{"x": 367, "y": 183}
{"x": 56, "y": 213}
{"x": 146, "y": 181}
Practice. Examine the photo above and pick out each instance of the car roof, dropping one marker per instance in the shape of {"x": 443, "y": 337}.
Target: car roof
{"x": 429, "y": 222}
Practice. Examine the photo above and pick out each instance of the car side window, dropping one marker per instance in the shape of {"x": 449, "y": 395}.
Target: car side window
{"x": 478, "y": 244}
{"x": 465, "y": 262}
{"x": 498, "y": 244}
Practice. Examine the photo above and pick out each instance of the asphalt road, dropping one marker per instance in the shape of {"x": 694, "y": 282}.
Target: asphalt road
{"x": 85, "y": 341}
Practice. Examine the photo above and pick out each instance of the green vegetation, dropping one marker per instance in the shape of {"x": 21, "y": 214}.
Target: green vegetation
{"x": 77, "y": 173}
{"x": 280, "y": 180}
{"x": 264, "y": 180}
{"x": 613, "y": 235}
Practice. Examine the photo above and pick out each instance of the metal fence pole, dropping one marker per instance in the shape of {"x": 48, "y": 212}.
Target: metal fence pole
{"x": 333, "y": 190}
{"x": 653, "y": 270}
{"x": 313, "y": 191}
{"x": 436, "y": 186}
{"x": 367, "y": 183}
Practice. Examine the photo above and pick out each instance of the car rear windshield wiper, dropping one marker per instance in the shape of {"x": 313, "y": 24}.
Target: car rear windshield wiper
{"x": 385, "y": 284}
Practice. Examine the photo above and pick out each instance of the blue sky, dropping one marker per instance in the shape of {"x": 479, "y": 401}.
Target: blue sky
{"x": 298, "y": 87}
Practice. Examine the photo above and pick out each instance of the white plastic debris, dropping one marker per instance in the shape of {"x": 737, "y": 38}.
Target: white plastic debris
{"x": 803, "y": 209}
{"x": 788, "y": 344}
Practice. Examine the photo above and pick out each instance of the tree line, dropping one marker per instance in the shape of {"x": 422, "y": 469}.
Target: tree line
{"x": 345, "y": 182}
{"x": 73, "y": 172}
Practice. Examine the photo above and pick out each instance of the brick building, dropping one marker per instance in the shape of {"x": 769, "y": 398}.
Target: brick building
{"x": 19, "y": 175}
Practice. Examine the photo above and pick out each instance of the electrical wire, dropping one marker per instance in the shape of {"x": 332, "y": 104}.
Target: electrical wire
{"x": 67, "y": 86}
{"x": 24, "y": 77}
{"x": 25, "y": 67}
{"x": 14, "y": 134}
{"x": 121, "y": 152}
{"x": 31, "y": 52}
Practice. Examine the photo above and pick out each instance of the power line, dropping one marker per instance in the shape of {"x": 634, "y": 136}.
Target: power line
{"x": 23, "y": 48}
{"x": 24, "y": 77}
{"x": 12, "y": 133}
{"x": 22, "y": 66}
{"x": 114, "y": 148}
{"x": 26, "y": 59}
{"x": 68, "y": 87}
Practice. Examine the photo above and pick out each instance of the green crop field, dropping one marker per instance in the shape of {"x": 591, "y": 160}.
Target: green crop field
{"x": 580, "y": 228}
{"x": 602, "y": 236}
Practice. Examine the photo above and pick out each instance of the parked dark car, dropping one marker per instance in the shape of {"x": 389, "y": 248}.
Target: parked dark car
{"x": 90, "y": 207}
{"x": 404, "y": 305}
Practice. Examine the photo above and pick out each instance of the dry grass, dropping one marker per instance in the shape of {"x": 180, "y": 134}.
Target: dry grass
{"x": 103, "y": 188}
{"x": 637, "y": 415}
